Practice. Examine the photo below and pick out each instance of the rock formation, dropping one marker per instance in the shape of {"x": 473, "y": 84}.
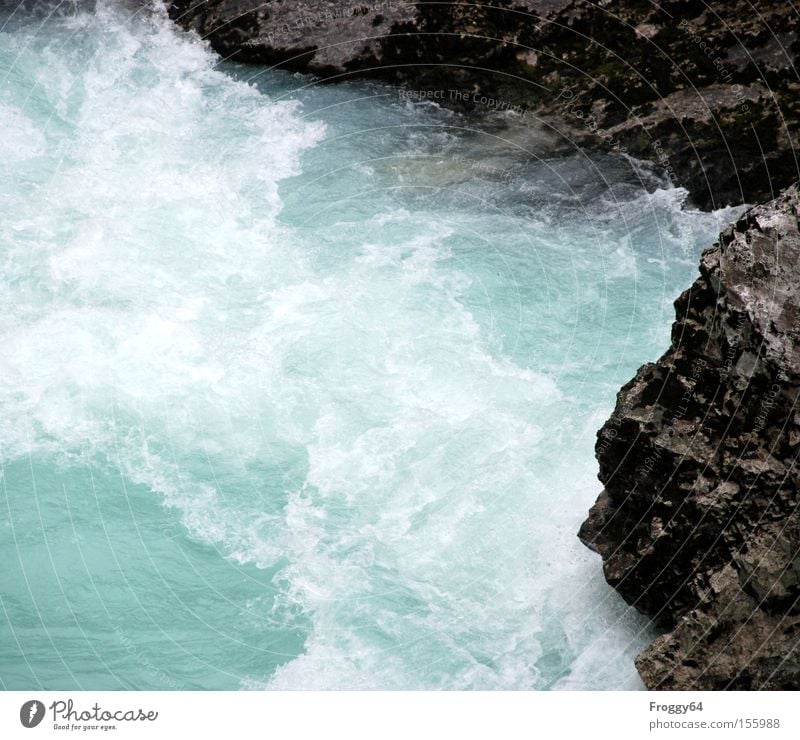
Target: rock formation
{"x": 698, "y": 525}
{"x": 710, "y": 93}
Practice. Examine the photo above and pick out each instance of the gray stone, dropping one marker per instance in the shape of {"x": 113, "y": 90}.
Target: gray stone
{"x": 706, "y": 539}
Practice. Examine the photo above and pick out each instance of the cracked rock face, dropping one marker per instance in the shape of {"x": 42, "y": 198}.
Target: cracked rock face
{"x": 320, "y": 36}
{"x": 698, "y": 525}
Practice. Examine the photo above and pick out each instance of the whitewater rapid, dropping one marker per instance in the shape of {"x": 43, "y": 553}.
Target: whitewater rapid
{"x": 300, "y": 384}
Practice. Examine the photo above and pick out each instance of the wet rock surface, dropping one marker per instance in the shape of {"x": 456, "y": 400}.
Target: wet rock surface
{"x": 698, "y": 525}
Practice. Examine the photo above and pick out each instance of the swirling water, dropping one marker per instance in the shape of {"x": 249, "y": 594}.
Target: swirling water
{"x": 299, "y": 383}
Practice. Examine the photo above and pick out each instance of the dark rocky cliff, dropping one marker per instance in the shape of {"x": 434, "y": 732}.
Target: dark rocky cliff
{"x": 708, "y": 90}
{"x": 698, "y": 524}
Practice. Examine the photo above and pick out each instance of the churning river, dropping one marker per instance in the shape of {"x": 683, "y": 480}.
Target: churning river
{"x": 299, "y": 384}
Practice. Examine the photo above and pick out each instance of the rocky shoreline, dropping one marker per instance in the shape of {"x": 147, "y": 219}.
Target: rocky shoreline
{"x": 712, "y": 95}
{"x": 697, "y": 524}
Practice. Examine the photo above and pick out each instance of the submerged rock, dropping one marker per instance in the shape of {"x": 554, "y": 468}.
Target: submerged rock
{"x": 698, "y": 525}
{"x": 711, "y": 94}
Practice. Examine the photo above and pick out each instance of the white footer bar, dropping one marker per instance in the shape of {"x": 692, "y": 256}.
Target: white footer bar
{"x": 399, "y": 715}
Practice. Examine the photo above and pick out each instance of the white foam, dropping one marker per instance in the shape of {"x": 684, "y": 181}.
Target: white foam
{"x": 358, "y": 403}
{"x": 21, "y": 138}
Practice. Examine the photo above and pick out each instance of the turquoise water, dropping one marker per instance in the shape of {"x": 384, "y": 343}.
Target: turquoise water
{"x": 299, "y": 384}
